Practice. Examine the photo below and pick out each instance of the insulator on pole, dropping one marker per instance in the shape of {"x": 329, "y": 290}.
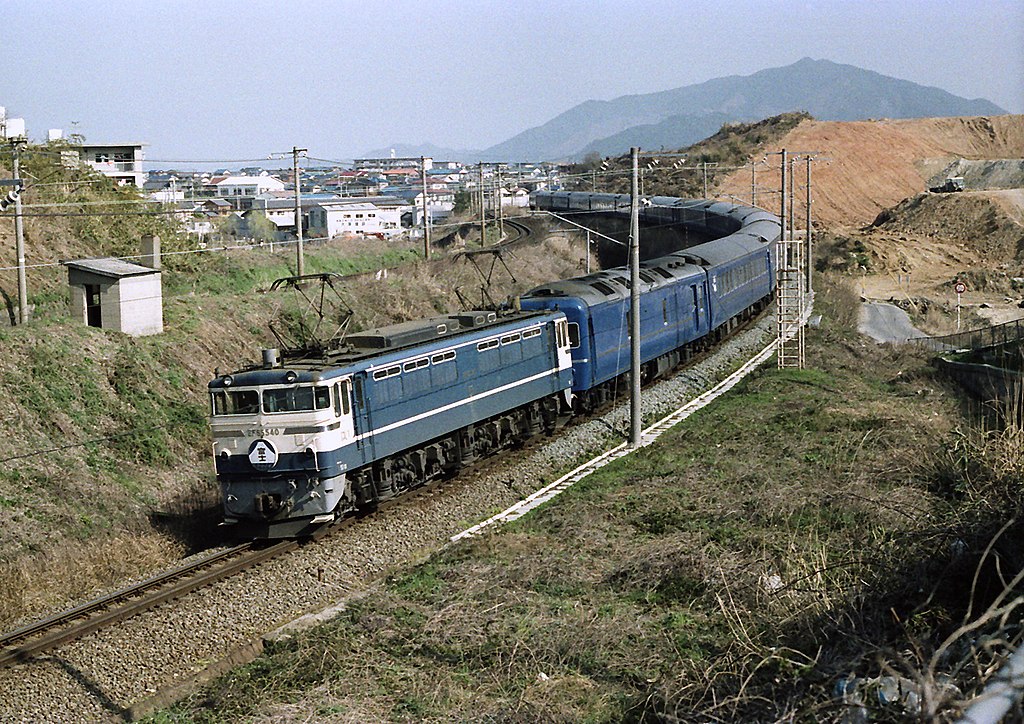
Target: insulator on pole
{"x": 10, "y": 198}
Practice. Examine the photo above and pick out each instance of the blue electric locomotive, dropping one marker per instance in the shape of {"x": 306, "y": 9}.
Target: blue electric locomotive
{"x": 300, "y": 443}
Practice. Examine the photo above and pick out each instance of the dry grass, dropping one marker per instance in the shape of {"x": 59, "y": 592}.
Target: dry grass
{"x": 69, "y": 573}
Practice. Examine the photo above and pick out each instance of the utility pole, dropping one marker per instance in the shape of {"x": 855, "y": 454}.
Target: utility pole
{"x": 782, "y": 195}
{"x": 300, "y": 262}
{"x": 634, "y": 301}
{"x": 792, "y": 196}
{"x": 705, "y": 164}
{"x": 501, "y": 207}
{"x": 588, "y": 251}
{"x": 483, "y": 218}
{"x": 753, "y": 183}
{"x": 809, "y": 259}
{"x": 426, "y": 208}
{"x": 19, "y": 233}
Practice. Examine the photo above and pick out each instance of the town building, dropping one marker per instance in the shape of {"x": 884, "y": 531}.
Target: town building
{"x": 356, "y": 216}
{"x": 440, "y": 205}
{"x": 241, "y": 190}
{"x": 120, "y": 161}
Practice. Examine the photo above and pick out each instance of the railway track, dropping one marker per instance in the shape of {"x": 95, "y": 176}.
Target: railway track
{"x": 22, "y": 644}
{"x": 41, "y": 636}
{"x": 115, "y": 672}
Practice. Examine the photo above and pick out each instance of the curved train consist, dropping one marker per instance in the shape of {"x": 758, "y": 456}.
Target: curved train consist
{"x": 298, "y": 443}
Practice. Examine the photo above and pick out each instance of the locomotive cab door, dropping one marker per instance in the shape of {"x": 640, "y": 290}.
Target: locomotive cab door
{"x": 361, "y": 416}
{"x": 343, "y": 409}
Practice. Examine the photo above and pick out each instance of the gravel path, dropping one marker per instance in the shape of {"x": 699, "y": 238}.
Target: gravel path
{"x": 99, "y": 677}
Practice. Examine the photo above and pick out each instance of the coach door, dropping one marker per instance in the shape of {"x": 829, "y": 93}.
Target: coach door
{"x": 698, "y": 306}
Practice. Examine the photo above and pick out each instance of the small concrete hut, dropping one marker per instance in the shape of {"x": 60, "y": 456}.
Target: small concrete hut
{"x": 111, "y": 293}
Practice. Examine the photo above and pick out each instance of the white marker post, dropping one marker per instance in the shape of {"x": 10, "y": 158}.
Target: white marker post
{"x": 959, "y": 288}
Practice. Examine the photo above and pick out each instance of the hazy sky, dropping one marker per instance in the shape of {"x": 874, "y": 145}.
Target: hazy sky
{"x": 202, "y": 79}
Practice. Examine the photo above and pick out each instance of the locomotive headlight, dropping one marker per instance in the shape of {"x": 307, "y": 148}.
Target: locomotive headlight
{"x": 228, "y": 380}
{"x": 290, "y": 376}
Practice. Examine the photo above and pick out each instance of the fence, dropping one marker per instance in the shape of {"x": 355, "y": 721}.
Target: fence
{"x": 975, "y": 338}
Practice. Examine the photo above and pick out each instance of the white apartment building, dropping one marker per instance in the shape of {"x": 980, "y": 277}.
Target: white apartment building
{"x": 334, "y": 218}
{"x": 242, "y": 189}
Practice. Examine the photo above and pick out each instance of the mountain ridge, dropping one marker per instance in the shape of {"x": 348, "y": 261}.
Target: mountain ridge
{"x": 681, "y": 116}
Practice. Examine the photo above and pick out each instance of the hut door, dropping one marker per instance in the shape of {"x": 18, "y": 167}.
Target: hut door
{"x": 93, "y": 317}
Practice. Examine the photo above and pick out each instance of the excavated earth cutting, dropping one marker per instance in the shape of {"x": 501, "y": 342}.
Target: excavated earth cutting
{"x": 870, "y": 182}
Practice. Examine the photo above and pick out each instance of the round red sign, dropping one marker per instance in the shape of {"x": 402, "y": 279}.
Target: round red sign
{"x": 960, "y": 287}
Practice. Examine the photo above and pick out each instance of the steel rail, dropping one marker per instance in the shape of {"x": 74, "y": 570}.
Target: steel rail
{"x": 81, "y": 620}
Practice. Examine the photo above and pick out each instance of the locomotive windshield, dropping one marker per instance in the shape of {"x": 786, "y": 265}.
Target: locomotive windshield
{"x": 286, "y": 399}
{"x": 236, "y": 402}
{"x": 296, "y": 399}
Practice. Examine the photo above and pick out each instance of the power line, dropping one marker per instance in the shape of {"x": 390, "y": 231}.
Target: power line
{"x": 108, "y": 213}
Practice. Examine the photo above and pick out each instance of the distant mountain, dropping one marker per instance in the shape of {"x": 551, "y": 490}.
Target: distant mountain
{"x": 679, "y": 117}
{"x": 414, "y": 150}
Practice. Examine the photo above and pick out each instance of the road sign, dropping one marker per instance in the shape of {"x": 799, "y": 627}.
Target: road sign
{"x": 960, "y": 287}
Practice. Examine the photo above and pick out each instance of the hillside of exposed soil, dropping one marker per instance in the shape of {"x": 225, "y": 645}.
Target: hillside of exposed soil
{"x": 878, "y": 220}
{"x": 864, "y": 167}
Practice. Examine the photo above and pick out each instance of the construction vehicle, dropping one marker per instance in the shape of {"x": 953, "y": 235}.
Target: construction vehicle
{"x": 951, "y": 184}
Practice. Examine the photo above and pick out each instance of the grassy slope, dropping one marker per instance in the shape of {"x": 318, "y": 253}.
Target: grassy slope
{"x": 797, "y": 531}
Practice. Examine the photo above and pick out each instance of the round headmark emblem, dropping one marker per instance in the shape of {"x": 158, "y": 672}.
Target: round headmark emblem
{"x": 263, "y": 455}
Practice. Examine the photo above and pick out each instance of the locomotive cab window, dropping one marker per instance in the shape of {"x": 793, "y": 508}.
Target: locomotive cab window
{"x": 236, "y": 402}
{"x": 342, "y": 401}
{"x": 574, "y": 335}
{"x": 296, "y": 399}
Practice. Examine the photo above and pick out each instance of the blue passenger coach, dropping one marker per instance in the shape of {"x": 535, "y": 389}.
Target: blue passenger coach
{"x": 687, "y": 299}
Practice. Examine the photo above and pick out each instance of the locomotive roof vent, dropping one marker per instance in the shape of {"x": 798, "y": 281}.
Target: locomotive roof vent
{"x": 271, "y": 358}
{"x": 475, "y": 318}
